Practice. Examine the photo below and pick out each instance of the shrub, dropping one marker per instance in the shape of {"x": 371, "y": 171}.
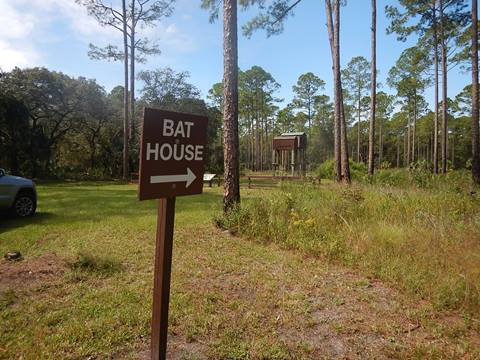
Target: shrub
{"x": 358, "y": 170}
{"x": 421, "y": 174}
{"x": 390, "y": 177}
{"x": 385, "y": 165}
{"x": 326, "y": 170}
{"x": 468, "y": 164}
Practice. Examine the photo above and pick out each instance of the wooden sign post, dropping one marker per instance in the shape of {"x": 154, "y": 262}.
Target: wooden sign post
{"x": 171, "y": 164}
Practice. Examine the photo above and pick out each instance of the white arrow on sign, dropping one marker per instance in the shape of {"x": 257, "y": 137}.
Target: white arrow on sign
{"x": 160, "y": 179}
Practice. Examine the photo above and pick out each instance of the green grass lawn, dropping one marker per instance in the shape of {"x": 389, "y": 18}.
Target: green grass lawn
{"x": 86, "y": 311}
{"x": 83, "y": 289}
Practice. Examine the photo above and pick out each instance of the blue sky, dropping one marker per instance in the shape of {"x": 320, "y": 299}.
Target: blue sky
{"x": 56, "y": 34}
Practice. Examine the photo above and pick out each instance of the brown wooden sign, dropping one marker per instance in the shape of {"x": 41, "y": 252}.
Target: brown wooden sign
{"x": 172, "y": 154}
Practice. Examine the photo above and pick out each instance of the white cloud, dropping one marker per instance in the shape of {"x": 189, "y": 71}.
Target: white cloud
{"x": 29, "y": 27}
{"x": 171, "y": 29}
{"x": 85, "y": 27}
{"x": 10, "y": 57}
{"x": 14, "y": 24}
{"x": 75, "y": 17}
{"x": 14, "y": 28}
{"x": 171, "y": 39}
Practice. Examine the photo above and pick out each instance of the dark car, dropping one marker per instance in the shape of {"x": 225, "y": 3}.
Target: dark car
{"x": 17, "y": 195}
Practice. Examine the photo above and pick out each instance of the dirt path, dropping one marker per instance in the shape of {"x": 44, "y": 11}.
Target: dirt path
{"x": 236, "y": 299}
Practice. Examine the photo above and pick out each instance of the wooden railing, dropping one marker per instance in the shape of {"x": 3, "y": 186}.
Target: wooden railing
{"x": 276, "y": 180}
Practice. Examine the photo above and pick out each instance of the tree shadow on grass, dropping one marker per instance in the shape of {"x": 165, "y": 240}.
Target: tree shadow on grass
{"x": 9, "y": 222}
{"x": 96, "y": 203}
{"x": 69, "y": 204}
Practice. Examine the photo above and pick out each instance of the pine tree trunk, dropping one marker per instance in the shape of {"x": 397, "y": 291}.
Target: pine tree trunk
{"x": 263, "y": 138}
{"x": 409, "y": 145}
{"x": 444, "y": 92}
{"x": 343, "y": 124}
{"x": 429, "y": 150}
{"x": 475, "y": 112}
{"x": 266, "y": 146}
{"x": 432, "y": 138}
{"x": 371, "y": 134}
{"x": 132, "y": 76}
{"x": 398, "y": 151}
{"x": 414, "y": 127}
{"x": 257, "y": 146}
{"x": 380, "y": 140}
{"x": 230, "y": 106}
{"x": 358, "y": 125}
{"x": 453, "y": 151}
{"x": 309, "y": 119}
{"x": 252, "y": 145}
{"x": 249, "y": 141}
{"x": 262, "y": 148}
{"x": 126, "y": 127}
{"x": 418, "y": 145}
{"x": 344, "y": 140}
{"x": 435, "y": 62}
{"x": 336, "y": 123}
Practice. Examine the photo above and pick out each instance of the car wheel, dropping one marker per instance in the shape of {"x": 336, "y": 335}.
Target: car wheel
{"x": 24, "y": 205}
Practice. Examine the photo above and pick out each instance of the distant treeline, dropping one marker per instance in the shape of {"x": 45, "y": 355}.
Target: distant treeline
{"x": 404, "y": 123}
{"x": 56, "y": 126}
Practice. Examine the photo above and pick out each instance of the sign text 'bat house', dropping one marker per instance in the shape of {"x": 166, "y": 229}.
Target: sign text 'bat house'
{"x": 172, "y": 154}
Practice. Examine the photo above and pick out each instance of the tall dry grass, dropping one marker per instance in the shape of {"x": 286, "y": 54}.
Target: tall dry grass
{"x": 422, "y": 235}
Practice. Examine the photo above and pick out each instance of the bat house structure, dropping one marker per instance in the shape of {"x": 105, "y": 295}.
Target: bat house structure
{"x": 289, "y": 154}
